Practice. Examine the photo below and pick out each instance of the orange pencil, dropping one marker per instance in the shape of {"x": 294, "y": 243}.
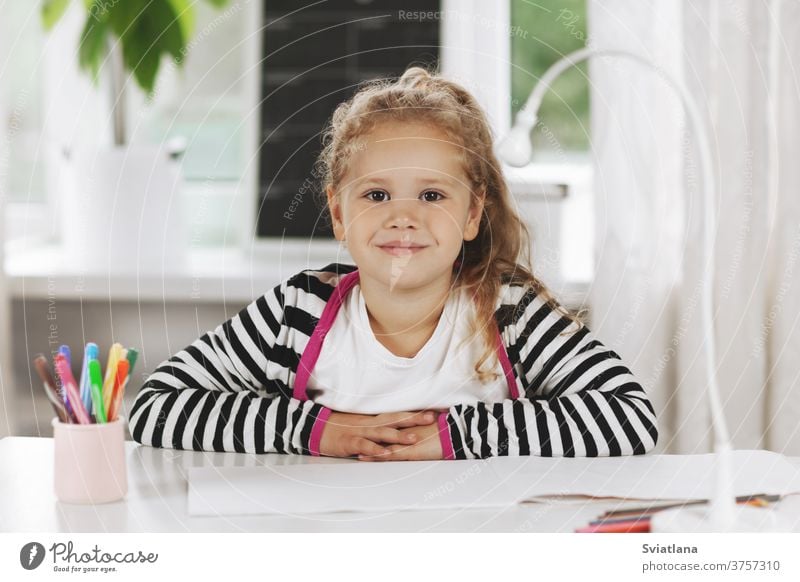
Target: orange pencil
{"x": 119, "y": 387}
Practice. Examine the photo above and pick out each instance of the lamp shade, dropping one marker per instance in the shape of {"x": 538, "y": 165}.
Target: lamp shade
{"x": 515, "y": 148}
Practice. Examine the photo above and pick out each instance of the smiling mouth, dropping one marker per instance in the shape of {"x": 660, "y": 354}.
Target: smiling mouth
{"x": 401, "y": 251}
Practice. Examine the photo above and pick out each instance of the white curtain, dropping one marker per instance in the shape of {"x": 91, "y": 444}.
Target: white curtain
{"x": 741, "y": 61}
{"x": 6, "y": 393}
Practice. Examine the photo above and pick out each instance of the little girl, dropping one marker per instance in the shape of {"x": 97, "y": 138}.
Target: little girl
{"x": 436, "y": 344}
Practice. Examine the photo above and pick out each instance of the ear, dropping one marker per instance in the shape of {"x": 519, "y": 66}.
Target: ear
{"x": 472, "y": 227}
{"x": 336, "y": 213}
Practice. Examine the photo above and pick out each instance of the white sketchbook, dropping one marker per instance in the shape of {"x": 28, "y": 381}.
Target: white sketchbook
{"x": 350, "y": 485}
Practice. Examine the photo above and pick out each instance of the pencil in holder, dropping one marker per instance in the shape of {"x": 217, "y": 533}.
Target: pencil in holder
{"x": 89, "y": 462}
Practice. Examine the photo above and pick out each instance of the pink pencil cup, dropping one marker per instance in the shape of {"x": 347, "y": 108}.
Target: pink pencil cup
{"x": 89, "y": 463}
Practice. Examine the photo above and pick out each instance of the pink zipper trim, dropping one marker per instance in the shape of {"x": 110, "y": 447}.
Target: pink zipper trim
{"x": 506, "y": 364}
{"x": 314, "y": 346}
{"x": 316, "y": 431}
{"x": 444, "y": 437}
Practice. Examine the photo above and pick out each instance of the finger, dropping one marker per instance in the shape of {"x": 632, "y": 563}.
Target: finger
{"x": 370, "y": 448}
{"x": 388, "y": 435}
{"x": 375, "y": 458}
{"x": 372, "y": 459}
{"x": 396, "y": 453}
{"x": 408, "y": 419}
{"x": 393, "y": 453}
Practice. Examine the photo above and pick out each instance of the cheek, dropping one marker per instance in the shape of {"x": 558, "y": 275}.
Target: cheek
{"x": 456, "y": 219}
{"x": 449, "y": 228}
{"x": 363, "y": 218}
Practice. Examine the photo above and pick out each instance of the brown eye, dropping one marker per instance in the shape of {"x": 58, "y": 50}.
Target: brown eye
{"x": 434, "y": 192}
{"x": 371, "y": 192}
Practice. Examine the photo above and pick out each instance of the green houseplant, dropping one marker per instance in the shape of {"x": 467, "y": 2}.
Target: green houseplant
{"x": 136, "y": 34}
{"x": 120, "y": 207}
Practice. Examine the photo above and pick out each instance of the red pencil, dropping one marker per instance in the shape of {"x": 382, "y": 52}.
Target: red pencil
{"x": 632, "y": 526}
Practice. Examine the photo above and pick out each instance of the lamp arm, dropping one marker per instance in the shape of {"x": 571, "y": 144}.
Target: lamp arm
{"x": 722, "y": 503}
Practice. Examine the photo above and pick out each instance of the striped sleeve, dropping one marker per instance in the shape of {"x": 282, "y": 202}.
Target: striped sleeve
{"x": 579, "y": 398}
{"x": 228, "y": 390}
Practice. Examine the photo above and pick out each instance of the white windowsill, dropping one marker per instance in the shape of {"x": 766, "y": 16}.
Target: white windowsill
{"x": 211, "y": 275}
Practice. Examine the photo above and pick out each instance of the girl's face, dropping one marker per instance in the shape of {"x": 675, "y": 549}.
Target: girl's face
{"x": 404, "y": 206}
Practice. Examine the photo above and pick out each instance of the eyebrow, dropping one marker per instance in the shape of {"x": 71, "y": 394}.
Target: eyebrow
{"x": 382, "y": 182}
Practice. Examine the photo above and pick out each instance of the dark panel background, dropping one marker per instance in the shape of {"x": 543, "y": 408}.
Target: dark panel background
{"x": 304, "y": 79}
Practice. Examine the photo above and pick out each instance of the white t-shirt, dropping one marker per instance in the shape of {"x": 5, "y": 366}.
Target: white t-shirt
{"x": 358, "y": 374}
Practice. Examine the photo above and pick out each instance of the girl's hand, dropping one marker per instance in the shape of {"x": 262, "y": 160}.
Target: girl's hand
{"x": 346, "y": 435}
{"x": 428, "y": 447}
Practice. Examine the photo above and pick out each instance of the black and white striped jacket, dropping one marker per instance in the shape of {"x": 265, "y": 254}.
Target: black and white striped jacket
{"x": 231, "y": 389}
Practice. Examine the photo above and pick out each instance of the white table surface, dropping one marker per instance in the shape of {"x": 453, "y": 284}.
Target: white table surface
{"x": 157, "y": 501}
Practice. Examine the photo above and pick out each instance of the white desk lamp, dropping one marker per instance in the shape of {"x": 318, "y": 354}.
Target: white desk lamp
{"x": 723, "y": 514}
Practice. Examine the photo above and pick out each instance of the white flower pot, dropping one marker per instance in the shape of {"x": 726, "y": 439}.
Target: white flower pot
{"x": 121, "y": 212}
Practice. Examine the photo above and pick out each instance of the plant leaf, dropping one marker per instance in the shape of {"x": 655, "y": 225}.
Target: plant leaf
{"x": 184, "y": 12}
{"x": 92, "y": 48}
{"x": 147, "y": 29}
{"x": 218, "y": 3}
{"x": 52, "y": 11}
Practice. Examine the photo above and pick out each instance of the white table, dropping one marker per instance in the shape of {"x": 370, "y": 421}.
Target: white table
{"x": 157, "y": 501}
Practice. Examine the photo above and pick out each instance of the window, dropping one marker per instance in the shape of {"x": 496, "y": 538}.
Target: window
{"x": 21, "y": 40}
{"x": 202, "y": 101}
{"x": 542, "y": 32}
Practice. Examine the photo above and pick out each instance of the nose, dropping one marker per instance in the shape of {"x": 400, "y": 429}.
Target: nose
{"x": 402, "y": 213}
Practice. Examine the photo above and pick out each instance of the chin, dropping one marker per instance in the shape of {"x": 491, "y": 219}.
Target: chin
{"x": 405, "y": 275}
